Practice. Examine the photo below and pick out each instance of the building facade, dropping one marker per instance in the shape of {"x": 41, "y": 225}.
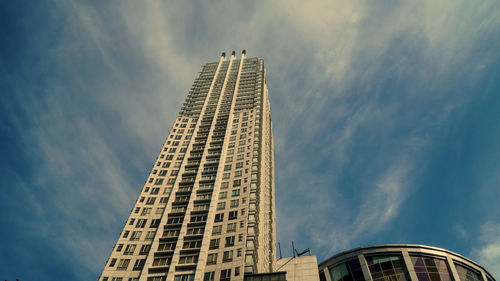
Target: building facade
{"x": 207, "y": 208}
{"x": 401, "y": 262}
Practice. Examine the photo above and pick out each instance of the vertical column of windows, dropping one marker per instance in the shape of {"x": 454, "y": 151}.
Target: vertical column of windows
{"x": 175, "y": 218}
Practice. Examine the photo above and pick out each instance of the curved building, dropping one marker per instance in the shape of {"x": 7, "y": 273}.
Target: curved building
{"x": 401, "y": 262}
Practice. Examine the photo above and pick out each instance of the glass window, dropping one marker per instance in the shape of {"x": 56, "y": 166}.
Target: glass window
{"x": 184, "y": 277}
{"x": 467, "y": 274}
{"x": 387, "y": 268}
{"x": 209, "y": 276}
{"x": 430, "y": 269}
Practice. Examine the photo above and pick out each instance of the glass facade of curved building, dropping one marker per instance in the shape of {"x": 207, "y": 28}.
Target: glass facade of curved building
{"x": 401, "y": 262}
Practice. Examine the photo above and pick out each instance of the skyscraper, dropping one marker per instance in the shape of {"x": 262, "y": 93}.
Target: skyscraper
{"x": 206, "y": 211}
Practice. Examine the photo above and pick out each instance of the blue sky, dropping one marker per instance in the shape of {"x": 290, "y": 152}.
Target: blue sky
{"x": 385, "y": 113}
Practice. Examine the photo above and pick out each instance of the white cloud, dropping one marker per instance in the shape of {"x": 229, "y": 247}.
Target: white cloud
{"x": 488, "y": 254}
{"x": 325, "y": 62}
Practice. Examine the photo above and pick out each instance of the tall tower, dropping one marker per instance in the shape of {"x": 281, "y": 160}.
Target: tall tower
{"x": 207, "y": 209}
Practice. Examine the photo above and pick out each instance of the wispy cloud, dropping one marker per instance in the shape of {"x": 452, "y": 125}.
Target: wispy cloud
{"x": 488, "y": 254}
{"x": 359, "y": 91}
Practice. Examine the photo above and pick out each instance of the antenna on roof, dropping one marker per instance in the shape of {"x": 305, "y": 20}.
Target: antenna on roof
{"x": 308, "y": 250}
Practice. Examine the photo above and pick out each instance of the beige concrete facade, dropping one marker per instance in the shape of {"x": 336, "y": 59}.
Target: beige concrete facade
{"x": 207, "y": 208}
{"x": 303, "y": 268}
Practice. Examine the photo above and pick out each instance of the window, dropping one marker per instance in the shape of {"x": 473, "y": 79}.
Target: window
{"x": 238, "y": 254}
{"x": 224, "y": 185}
{"x": 169, "y": 246}
{"x": 129, "y": 250}
{"x": 466, "y": 273}
{"x": 240, "y": 237}
{"x": 225, "y": 176}
{"x": 191, "y": 244}
{"x": 138, "y": 265}
{"x": 119, "y": 247}
{"x": 175, "y": 220}
{"x": 240, "y": 150}
{"x": 233, "y": 215}
{"x": 384, "y": 268}
{"x": 219, "y": 217}
{"x": 144, "y": 249}
{"x": 162, "y": 261}
{"x": 164, "y": 200}
{"x": 141, "y": 223}
{"x": 229, "y": 159}
{"x": 239, "y": 165}
{"x": 221, "y": 205}
{"x": 240, "y": 157}
{"x": 428, "y": 268}
{"x": 235, "y": 192}
{"x": 227, "y": 167}
{"x": 195, "y": 230}
{"x": 225, "y": 275}
{"x": 171, "y": 233}
{"x": 234, "y": 203}
{"x": 203, "y": 196}
{"x": 212, "y": 258}
{"x": 229, "y": 241}
{"x": 209, "y": 276}
{"x": 151, "y": 200}
{"x": 145, "y": 211}
{"x": 131, "y": 222}
{"x": 123, "y": 264}
{"x": 112, "y": 262}
{"x": 198, "y": 218}
{"x": 126, "y": 233}
{"x": 238, "y": 173}
{"x": 214, "y": 244}
{"x": 188, "y": 259}
{"x": 150, "y": 235}
{"x": 160, "y": 211}
{"x": 154, "y": 223}
{"x": 231, "y": 227}
{"x": 116, "y": 279}
{"x": 136, "y": 235}
{"x": 223, "y": 195}
{"x": 201, "y": 207}
{"x": 137, "y": 209}
{"x": 155, "y": 190}
{"x": 179, "y": 209}
{"x": 237, "y": 271}
{"x": 165, "y": 165}
{"x": 217, "y": 229}
{"x": 157, "y": 278}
